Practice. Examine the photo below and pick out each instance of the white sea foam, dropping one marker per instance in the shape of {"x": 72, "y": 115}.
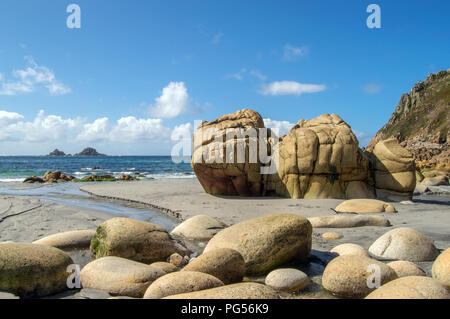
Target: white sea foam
{"x": 11, "y": 180}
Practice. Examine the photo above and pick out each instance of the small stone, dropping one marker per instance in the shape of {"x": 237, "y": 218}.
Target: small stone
{"x": 177, "y": 260}
{"x": 287, "y": 279}
{"x": 331, "y": 236}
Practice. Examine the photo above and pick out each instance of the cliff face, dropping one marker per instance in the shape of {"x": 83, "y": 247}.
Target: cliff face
{"x": 421, "y": 122}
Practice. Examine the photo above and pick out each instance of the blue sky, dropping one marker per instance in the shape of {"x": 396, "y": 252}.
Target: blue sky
{"x": 138, "y": 70}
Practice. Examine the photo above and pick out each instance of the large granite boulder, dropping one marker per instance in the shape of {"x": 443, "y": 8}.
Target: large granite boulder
{"x": 135, "y": 240}
{"x": 267, "y": 242}
{"x": 30, "y": 270}
{"x": 222, "y": 176}
{"x": 393, "y": 170}
{"x": 320, "y": 158}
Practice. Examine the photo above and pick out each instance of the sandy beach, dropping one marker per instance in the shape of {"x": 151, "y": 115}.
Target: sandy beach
{"x": 25, "y": 219}
{"x": 28, "y": 218}
{"x": 185, "y": 198}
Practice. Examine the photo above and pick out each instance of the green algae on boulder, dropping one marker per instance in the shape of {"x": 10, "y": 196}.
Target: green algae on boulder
{"x": 30, "y": 270}
{"x": 135, "y": 240}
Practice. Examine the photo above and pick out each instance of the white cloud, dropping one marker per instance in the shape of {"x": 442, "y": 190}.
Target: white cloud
{"x": 282, "y": 126}
{"x": 181, "y": 131}
{"x": 28, "y": 79}
{"x": 7, "y": 118}
{"x": 291, "y": 53}
{"x": 52, "y": 128}
{"x": 290, "y": 88}
{"x": 132, "y": 129}
{"x": 43, "y": 128}
{"x": 172, "y": 102}
{"x": 217, "y": 37}
{"x": 371, "y": 88}
{"x": 97, "y": 131}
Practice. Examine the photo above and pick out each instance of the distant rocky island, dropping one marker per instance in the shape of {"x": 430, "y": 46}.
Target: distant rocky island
{"x": 57, "y": 152}
{"x": 89, "y": 151}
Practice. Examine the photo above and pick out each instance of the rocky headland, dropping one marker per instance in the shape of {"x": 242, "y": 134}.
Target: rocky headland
{"x": 421, "y": 122}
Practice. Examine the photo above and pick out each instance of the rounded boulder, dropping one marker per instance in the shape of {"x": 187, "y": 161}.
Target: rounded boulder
{"x": 164, "y": 266}
{"x": 30, "y": 270}
{"x": 245, "y": 290}
{"x": 405, "y": 268}
{"x": 287, "y": 279}
{"x": 411, "y": 287}
{"x": 119, "y": 276}
{"x": 362, "y": 206}
{"x": 352, "y": 276}
{"x": 68, "y": 240}
{"x": 200, "y": 227}
{"x": 267, "y": 242}
{"x": 135, "y": 240}
{"x": 441, "y": 268}
{"x": 404, "y": 244}
{"x": 181, "y": 282}
{"x": 224, "y": 263}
